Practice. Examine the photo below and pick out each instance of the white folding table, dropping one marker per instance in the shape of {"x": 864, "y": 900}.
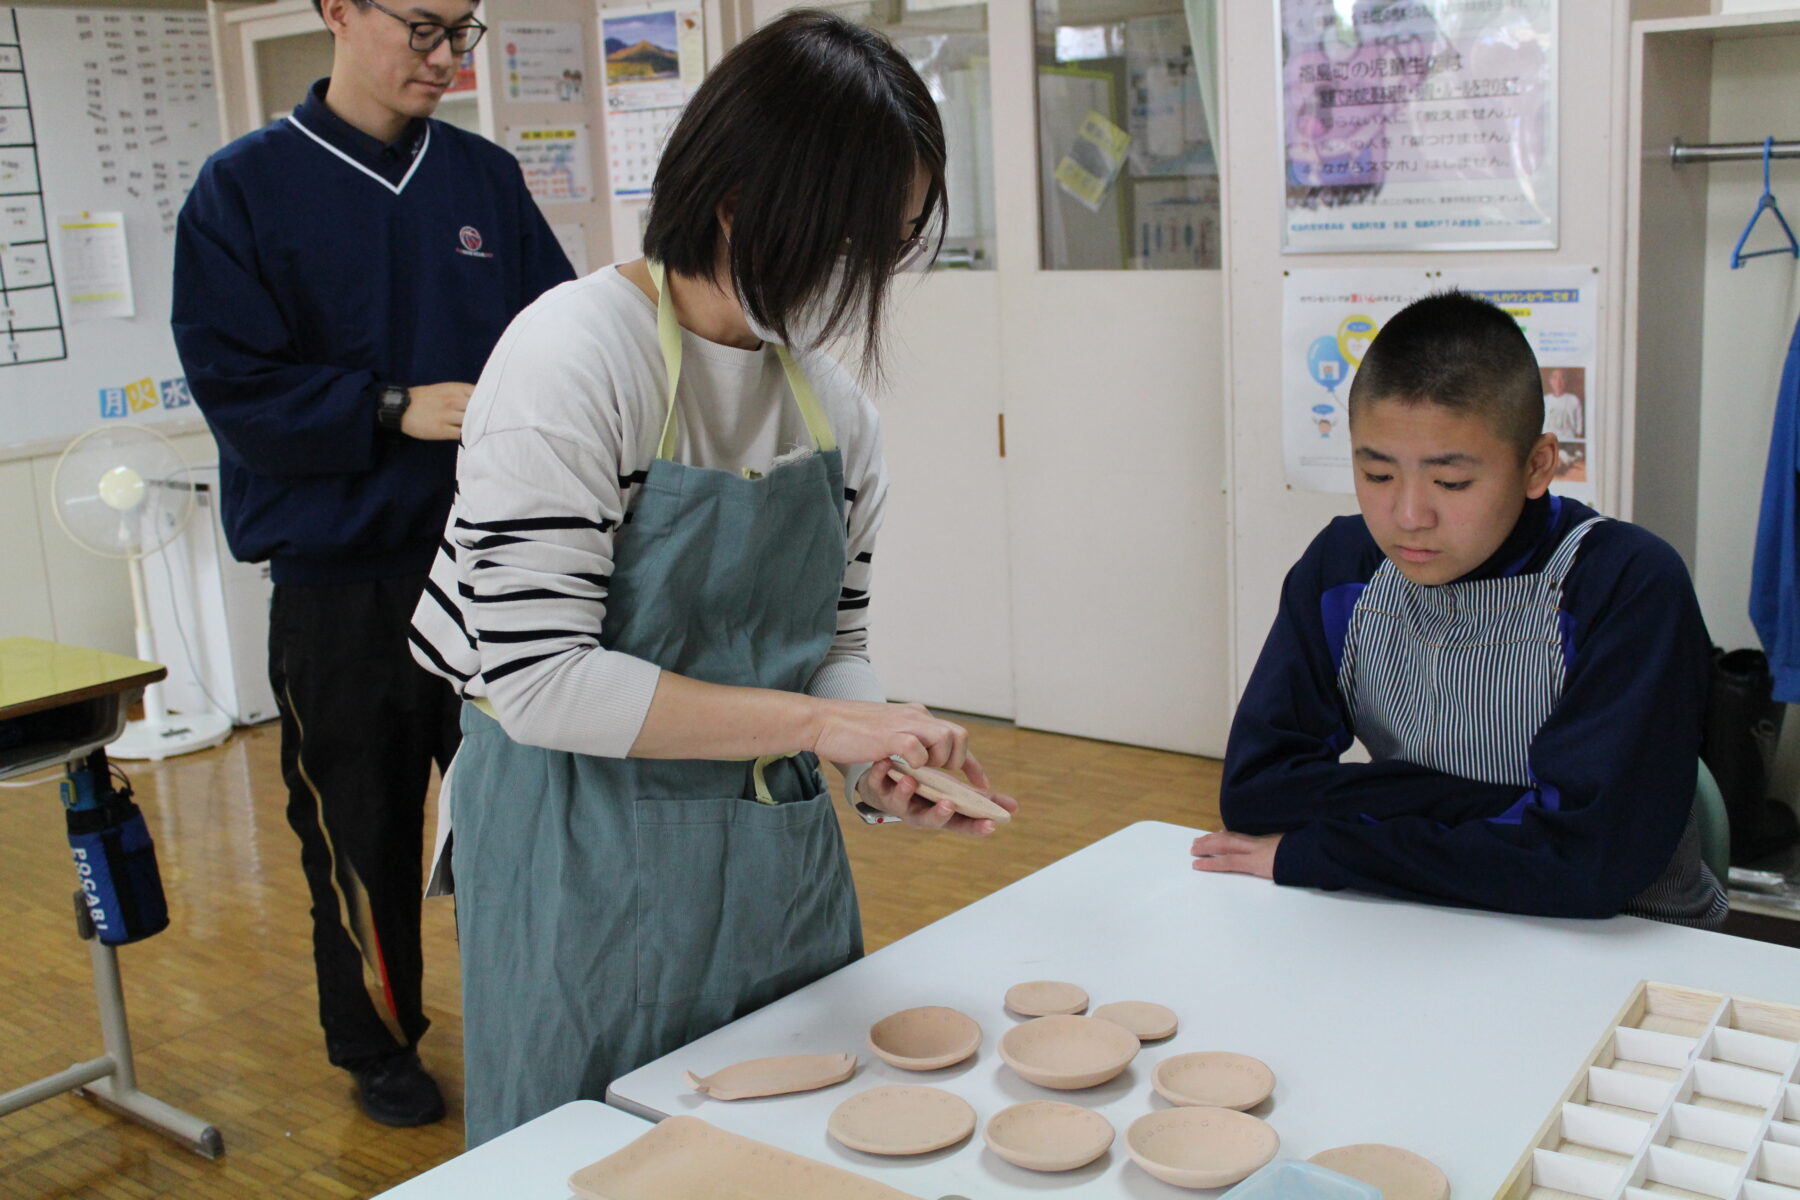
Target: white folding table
{"x": 1449, "y": 1032}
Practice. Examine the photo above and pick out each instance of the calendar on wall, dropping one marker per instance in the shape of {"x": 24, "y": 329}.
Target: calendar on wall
{"x": 655, "y": 57}
{"x": 634, "y": 147}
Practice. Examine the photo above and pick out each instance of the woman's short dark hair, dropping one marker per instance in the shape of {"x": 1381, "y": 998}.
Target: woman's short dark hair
{"x": 814, "y": 128}
{"x": 1459, "y": 352}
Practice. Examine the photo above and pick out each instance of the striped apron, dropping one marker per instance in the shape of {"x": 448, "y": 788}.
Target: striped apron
{"x": 1459, "y": 678}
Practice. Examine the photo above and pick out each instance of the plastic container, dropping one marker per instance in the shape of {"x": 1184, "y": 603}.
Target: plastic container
{"x": 1291, "y": 1179}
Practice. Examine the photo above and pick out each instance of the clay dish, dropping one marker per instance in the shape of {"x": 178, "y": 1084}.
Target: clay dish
{"x": 1200, "y": 1147}
{"x": 775, "y": 1076}
{"x": 924, "y": 1039}
{"x": 1048, "y": 1135}
{"x": 1151, "y": 1022}
{"x": 1213, "y": 1079}
{"x": 1045, "y": 998}
{"x": 1400, "y": 1174}
{"x": 1068, "y": 1052}
{"x": 941, "y": 785}
{"x": 902, "y": 1120}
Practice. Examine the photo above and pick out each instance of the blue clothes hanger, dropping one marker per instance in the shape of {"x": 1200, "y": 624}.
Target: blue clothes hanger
{"x": 1765, "y": 204}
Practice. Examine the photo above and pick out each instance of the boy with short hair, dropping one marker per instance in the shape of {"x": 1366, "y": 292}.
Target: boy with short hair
{"x": 1527, "y": 675}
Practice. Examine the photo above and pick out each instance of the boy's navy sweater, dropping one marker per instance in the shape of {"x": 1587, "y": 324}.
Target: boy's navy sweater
{"x": 304, "y": 282}
{"x": 1616, "y": 760}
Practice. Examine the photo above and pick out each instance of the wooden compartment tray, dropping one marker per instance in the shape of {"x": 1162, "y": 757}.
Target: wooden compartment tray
{"x": 1689, "y": 1094}
{"x": 685, "y": 1158}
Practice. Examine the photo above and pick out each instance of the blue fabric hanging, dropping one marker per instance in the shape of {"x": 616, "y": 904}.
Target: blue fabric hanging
{"x": 1775, "y": 575}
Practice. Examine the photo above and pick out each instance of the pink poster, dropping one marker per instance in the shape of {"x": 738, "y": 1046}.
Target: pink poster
{"x": 1418, "y": 124}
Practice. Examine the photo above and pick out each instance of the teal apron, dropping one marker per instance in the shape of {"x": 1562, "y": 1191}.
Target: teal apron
{"x": 613, "y": 910}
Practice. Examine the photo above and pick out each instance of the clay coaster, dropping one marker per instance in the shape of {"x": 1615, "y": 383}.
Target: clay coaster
{"x": 1151, "y": 1022}
{"x": 943, "y": 786}
{"x": 1200, "y": 1147}
{"x": 902, "y": 1120}
{"x": 924, "y": 1039}
{"x": 775, "y": 1076}
{"x": 1045, "y": 998}
{"x": 1068, "y": 1052}
{"x": 1400, "y": 1174}
{"x": 1048, "y": 1135}
{"x": 1213, "y": 1079}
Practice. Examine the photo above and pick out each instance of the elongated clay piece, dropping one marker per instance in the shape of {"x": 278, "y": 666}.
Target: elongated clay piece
{"x": 941, "y": 785}
{"x": 685, "y": 1156}
{"x": 1213, "y": 1079}
{"x": 898, "y": 1119}
{"x": 1200, "y": 1147}
{"x": 1400, "y": 1174}
{"x": 924, "y": 1039}
{"x": 1068, "y": 1052}
{"x": 1045, "y": 998}
{"x": 1048, "y": 1135}
{"x": 775, "y": 1076}
{"x": 1151, "y": 1022}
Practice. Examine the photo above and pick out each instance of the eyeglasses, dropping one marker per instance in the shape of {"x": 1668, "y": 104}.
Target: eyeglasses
{"x": 429, "y": 35}
{"x": 913, "y": 249}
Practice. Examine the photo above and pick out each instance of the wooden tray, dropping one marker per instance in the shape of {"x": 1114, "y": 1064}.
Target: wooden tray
{"x": 1689, "y": 1093}
{"x": 684, "y": 1158}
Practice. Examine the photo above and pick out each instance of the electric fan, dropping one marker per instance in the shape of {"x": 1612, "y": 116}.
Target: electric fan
{"x": 123, "y": 491}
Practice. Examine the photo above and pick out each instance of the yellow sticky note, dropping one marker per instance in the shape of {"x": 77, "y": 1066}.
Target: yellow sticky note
{"x": 141, "y": 395}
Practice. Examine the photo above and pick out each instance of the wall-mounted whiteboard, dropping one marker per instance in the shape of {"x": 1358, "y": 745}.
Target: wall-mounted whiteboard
{"x": 105, "y": 119}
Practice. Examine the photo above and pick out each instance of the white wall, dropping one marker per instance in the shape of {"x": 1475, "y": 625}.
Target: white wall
{"x": 1749, "y": 317}
{"x": 1271, "y": 524}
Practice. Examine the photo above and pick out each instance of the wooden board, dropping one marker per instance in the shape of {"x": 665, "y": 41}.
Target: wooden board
{"x": 36, "y": 675}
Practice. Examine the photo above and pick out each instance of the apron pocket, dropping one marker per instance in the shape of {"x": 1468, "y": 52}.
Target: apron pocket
{"x": 735, "y": 896}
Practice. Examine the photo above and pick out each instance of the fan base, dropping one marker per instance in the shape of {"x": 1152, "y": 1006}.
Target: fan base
{"x": 179, "y": 734}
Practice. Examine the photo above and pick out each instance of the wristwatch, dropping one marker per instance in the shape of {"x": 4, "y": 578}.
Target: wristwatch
{"x": 391, "y": 408}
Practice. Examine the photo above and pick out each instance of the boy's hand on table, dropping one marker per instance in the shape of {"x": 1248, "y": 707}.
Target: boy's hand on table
{"x": 1237, "y": 853}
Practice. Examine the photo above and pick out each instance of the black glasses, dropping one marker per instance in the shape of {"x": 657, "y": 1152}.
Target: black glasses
{"x": 429, "y": 35}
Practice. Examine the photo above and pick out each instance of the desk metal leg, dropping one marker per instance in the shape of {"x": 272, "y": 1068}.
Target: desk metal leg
{"x": 111, "y": 1080}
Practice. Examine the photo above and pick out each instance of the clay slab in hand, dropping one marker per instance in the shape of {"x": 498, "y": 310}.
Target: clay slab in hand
{"x": 775, "y": 1076}
{"x": 1048, "y": 1135}
{"x": 1068, "y": 1052}
{"x": 902, "y": 1120}
{"x": 924, "y": 1039}
{"x": 1400, "y": 1174}
{"x": 1200, "y": 1147}
{"x": 1213, "y": 1079}
{"x": 1045, "y": 998}
{"x": 1151, "y": 1022}
{"x": 943, "y": 786}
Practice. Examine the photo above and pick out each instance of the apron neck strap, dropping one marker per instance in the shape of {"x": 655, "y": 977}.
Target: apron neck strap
{"x": 668, "y": 333}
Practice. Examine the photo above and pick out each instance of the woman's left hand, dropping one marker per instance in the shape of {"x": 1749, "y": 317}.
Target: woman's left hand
{"x": 901, "y": 799}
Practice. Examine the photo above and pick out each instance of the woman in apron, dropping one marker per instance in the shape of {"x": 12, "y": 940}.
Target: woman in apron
{"x": 655, "y": 584}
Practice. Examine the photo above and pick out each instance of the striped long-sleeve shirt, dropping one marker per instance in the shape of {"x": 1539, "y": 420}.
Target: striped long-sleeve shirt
{"x": 557, "y": 441}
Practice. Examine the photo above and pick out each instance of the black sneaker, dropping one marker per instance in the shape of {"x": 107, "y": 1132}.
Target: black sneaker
{"x": 397, "y": 1091}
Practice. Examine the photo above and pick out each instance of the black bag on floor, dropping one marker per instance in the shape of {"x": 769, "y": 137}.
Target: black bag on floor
{"x": 1743, "y": 728}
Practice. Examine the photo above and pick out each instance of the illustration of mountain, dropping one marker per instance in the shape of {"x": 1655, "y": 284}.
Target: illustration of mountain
{"x": 613, "y": 46}
{"x": 644, "y": 60}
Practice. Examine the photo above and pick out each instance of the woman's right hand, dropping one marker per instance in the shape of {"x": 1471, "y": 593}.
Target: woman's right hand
{"x": 855, "y": 731}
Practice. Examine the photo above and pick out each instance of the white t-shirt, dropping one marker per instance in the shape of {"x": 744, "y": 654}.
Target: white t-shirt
{"x": 562, "y": 427}
{"x": 1562, "y": 416}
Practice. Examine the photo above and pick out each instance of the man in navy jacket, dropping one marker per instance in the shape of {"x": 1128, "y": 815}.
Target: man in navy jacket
{"x": 340, "y": 278}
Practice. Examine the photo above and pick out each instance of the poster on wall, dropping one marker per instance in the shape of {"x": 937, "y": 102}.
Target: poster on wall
{"x": 1328, "y": 319}
{"x": 543, "y": 61}
{"x": 655, "y": 59}
{"x": 556, "y": 163}
{"x": 1418, "y": 124}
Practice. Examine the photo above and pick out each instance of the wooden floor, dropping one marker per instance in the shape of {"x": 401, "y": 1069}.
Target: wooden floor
{"x": 222, "y": 1005}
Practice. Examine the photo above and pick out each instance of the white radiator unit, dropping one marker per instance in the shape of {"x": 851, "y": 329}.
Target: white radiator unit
{"x": 209, "y": 617}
